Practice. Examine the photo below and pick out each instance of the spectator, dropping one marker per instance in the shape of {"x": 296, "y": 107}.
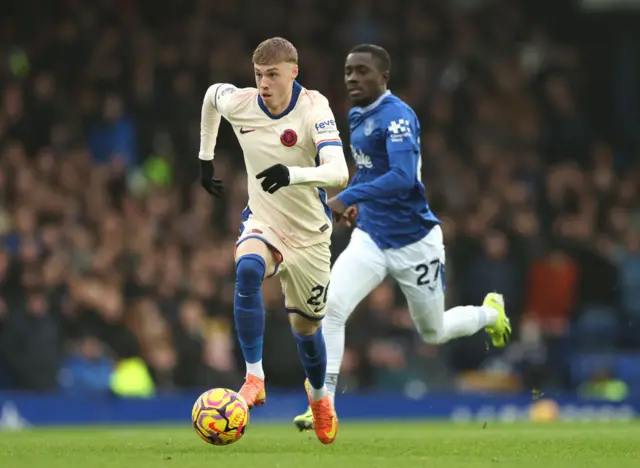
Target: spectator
{"x": 551, "y": 292}
{"x": 113, "y": 138}
{"x": 88, "y": 370}
{"x": 32, "y": 344}
{"x": 492, "y": 270}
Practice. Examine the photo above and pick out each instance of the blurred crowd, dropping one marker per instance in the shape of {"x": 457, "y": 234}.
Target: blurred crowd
{"x": 109, "y": 249}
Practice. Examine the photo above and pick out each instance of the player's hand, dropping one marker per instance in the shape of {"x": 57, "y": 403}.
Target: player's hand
{"x": 211, "y": 184}
{"x": 274, "y": 178}
{"x": 350, "y": 216}
{"x": 337, "y": 207}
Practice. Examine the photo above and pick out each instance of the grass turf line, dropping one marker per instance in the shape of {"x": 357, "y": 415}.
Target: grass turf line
{"x": 370, "y": 445}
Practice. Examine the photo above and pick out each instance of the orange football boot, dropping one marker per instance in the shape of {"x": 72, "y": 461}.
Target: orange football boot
{"x": 325, "y": 419}
{"x": 253, "y": 391}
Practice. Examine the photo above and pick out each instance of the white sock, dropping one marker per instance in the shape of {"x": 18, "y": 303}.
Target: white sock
{"x": 333, "y": 330}
{"x": 332, "y": 383}
{"x": 318, "y": 393}
{"x": 491, "y": 315}
{"x": 466, "y": 320}
{"x": 255, "y": 368}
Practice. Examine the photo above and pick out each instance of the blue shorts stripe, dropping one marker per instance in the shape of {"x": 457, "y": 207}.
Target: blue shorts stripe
{"x": 293, "y": 310}
{"x": 255, "y": 236}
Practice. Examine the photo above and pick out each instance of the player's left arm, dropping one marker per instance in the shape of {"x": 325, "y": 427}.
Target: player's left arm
{"x": 404, "y": 151}
{"x": 331, "y": 166}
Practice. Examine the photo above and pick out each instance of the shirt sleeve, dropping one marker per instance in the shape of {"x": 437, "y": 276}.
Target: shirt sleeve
{"x": 331, "y": 167}
{"x": 404, "y": 159}
{"x": 216, "y": 104}
{"x": 324, "y": 131}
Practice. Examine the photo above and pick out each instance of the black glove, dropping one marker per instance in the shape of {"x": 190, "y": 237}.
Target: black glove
{"x": 212, "y": 185}
{"x": 275, "y": 177}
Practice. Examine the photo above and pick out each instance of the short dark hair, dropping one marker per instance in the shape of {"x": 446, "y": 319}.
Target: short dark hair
{"x": 377, "y": 52}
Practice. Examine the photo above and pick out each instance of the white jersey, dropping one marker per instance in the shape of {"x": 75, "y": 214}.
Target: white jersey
{"x": 304, "y": 137}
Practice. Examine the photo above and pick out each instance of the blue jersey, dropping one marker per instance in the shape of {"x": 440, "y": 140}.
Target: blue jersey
{"x": 385, "y": 142}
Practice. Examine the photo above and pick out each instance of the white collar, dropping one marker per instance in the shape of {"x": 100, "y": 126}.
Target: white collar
{"x": 374, "y": 104}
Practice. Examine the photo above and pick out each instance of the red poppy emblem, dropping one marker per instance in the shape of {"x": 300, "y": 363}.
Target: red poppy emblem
{"x": 289, "y": 138}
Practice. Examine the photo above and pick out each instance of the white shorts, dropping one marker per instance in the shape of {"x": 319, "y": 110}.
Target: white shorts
{"x": 418, "y": 268}
{"x": 303, "y": 271}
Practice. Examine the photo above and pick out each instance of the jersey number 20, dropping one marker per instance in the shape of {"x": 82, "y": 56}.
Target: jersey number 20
{"x": 319, "y": 298}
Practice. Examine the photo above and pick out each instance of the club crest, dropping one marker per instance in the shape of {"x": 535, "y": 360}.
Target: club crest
{"x": 369, "y": 127}
{"x": 289, "y": 138}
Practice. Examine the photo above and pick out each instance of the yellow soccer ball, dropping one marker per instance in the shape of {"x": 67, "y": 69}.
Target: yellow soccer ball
{"x": 220, "y": 416}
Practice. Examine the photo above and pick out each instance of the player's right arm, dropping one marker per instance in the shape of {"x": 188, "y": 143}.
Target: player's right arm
{"x": 215, "y": 105}
{"x": 404, "y": 153}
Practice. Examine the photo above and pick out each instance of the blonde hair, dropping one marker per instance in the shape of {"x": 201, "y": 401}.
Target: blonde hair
{"x": 275, "y": 50}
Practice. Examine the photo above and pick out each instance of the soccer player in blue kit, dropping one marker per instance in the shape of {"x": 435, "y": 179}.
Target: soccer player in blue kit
{"x": 396, "y": 233}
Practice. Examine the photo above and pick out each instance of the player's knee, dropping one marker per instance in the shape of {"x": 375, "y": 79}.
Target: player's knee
{"x": 250, "y": 270}
{"x": 337, "y": 302}
{"x": 433, "y": 337}
{"x": 335, "y": 317}
{"x": 304, "y": 326}
{"x": 430, "y": 335}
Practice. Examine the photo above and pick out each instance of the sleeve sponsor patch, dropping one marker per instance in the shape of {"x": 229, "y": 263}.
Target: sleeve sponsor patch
{"x": 399, "y": 130}
{"x": 326, "y": 126}
{"x": 224, "y": 90}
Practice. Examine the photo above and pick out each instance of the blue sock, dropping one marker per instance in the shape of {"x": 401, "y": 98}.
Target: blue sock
{"x": 248, "y": 310}
{"x": 313, "y": 354}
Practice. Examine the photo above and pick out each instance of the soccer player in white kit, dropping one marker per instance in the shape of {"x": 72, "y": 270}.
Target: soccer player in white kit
{"x": 292, "y": 149}
{"x": 397, "y": 234}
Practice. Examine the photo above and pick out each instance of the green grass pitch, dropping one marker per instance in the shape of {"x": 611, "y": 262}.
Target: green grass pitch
{"x": 370, "y": 445}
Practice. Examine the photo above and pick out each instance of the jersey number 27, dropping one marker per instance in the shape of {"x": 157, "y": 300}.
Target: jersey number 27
{"x": 429, "y": 273}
